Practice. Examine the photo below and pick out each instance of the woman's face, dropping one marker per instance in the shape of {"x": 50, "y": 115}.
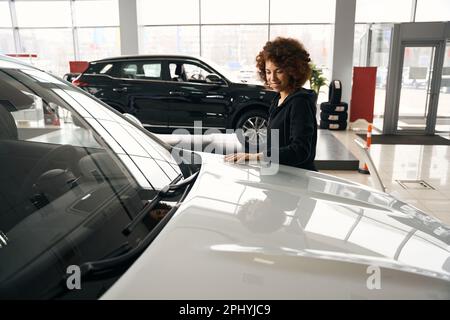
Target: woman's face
{"x": 276, "y": 77}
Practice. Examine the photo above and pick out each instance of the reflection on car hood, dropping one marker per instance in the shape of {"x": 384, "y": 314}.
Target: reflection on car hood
{"x": 296, "y": 234}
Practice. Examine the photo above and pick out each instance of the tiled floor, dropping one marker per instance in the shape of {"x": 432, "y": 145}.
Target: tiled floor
{"x": 409, "y": 162}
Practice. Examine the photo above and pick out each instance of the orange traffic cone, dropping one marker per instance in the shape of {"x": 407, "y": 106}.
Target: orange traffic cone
{"x": 364, "y": 169}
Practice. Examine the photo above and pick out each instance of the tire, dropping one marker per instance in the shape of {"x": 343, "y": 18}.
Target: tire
{"x": 334, "y": 107}
{"x": 334, "y": 116}
{"x": 333, "y": 125}
{"x": 255, "y": 121}
{"x": 335, "y": 92}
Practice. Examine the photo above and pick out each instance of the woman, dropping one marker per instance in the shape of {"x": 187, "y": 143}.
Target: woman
{"x": 283, "y": 65}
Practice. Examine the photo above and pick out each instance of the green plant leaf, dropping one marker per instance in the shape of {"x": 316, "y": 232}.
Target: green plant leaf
{"x": 317, "y": 79}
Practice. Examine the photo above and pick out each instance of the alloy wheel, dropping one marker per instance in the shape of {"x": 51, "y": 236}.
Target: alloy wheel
{"x": 255, "y": 129}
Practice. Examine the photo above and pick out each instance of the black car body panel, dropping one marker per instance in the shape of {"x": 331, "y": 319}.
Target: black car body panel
{"x": 172, "y": 91}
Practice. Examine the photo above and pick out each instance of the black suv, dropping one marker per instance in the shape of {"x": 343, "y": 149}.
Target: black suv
{"x": 168, "y": 92}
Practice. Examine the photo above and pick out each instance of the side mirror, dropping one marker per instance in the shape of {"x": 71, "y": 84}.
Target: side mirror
{"x": 214, "y": 78}
{"x": 134, "y": 119}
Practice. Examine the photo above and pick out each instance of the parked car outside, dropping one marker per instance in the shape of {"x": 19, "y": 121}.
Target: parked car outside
{"x": 167, "y": 92}
{"x": 98, "y": 207}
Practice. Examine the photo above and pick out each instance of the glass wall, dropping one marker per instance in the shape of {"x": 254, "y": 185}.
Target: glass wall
{"x": 97, "y": 28}
{"x": 6, "y": 31}
{"x": 374, "y": 22}
{"x": 170, "y": 40}
{"x": 98, "y": 43}
{"x": 379, "y": 11}
{"x": 432, "y": 10}
{"x": 231, "y": 33}
{"x": 59, "y": 31}
{"x": 371, "y": 48}
{"x": 234, "y": 47}
{"x": 372, "y": 40}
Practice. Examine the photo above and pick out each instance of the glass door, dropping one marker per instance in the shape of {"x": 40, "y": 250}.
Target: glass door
{"x": 416, "y": 97}
{"x": 417, "y": 79}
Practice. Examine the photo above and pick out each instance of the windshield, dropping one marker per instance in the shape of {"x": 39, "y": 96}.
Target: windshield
{"x": 73, "y": 175}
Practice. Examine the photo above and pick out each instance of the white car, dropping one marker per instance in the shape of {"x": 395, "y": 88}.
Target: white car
{"x": 94, "y": 206}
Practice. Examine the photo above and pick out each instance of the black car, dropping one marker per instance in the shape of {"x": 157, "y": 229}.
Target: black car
{"x": 166, "y": 92}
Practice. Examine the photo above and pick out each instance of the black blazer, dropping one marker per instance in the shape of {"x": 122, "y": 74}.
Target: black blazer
{"x": 296, "y": 122}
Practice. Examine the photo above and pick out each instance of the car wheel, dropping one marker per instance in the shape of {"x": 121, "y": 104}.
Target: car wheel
{"x": 251, "y": 130}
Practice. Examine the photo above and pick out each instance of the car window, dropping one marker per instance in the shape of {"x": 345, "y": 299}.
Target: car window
{"x": 66, "y": 193}
{"x": 99, "y": 68}
{"x": 152, "y": 70}
{"x": 141, "y": 70}
{"x": 188, "y": 72}
{"x": 129, "y": 70}
{"x": 106, "y": 68}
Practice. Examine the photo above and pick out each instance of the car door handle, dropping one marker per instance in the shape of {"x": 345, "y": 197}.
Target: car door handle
{"x": 178, "y": 93}
{"x": 124, "y": 89}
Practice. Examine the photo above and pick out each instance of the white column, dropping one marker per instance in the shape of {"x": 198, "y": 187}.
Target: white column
{"x": 129, "y": 44}
{"x": 344, "y": 32}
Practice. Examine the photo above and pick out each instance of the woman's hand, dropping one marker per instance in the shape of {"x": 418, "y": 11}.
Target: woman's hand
{"x": 242, "y": 157}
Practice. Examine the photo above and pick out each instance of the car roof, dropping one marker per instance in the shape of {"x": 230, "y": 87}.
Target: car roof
{"x": 149, "y": 56}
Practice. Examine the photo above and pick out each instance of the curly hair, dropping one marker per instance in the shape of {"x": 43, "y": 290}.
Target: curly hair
{"x": 288, "y": 54}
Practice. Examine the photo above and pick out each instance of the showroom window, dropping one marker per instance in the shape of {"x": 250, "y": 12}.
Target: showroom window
{"x": 98, "y": 43}
{"x": 169, "y": 39}
{"x": 294, "y": 11}
{"x": 371, "y": 48}
{"x": 47, "y": 34}
{"x": 226, "y": 12}
{"x": 432, "y": 10}
{"x": 6, "y": 31}
{"x": 372, "y": 40}
{"x": 234, "y": 47}
{"x": 51, "y": 14}
{"x": 369, "y": 11}
{"x": 97, "y": 28}
{"x": 54, "y": 48}
{"x": 169, "y": 26}
{"x": 232, "y": 38}
{"x": 167, "y": 12}
{"x": 64, "y": 30}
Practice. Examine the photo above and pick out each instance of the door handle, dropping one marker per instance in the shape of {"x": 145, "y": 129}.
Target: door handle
{"x": 178, "y": 93}
{"x": 124, "y": 89}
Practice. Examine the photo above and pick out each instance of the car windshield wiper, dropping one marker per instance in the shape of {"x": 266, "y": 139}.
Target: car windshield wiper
{"x": 168, "y": 191}
{"x": 123, "y": 256}
{"x": 115, "y": 261}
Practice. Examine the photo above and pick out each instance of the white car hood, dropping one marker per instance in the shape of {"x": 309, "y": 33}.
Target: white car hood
{"x": 297, "y": 234}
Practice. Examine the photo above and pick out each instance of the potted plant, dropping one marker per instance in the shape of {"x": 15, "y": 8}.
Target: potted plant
{"x": 317, "y": 79}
